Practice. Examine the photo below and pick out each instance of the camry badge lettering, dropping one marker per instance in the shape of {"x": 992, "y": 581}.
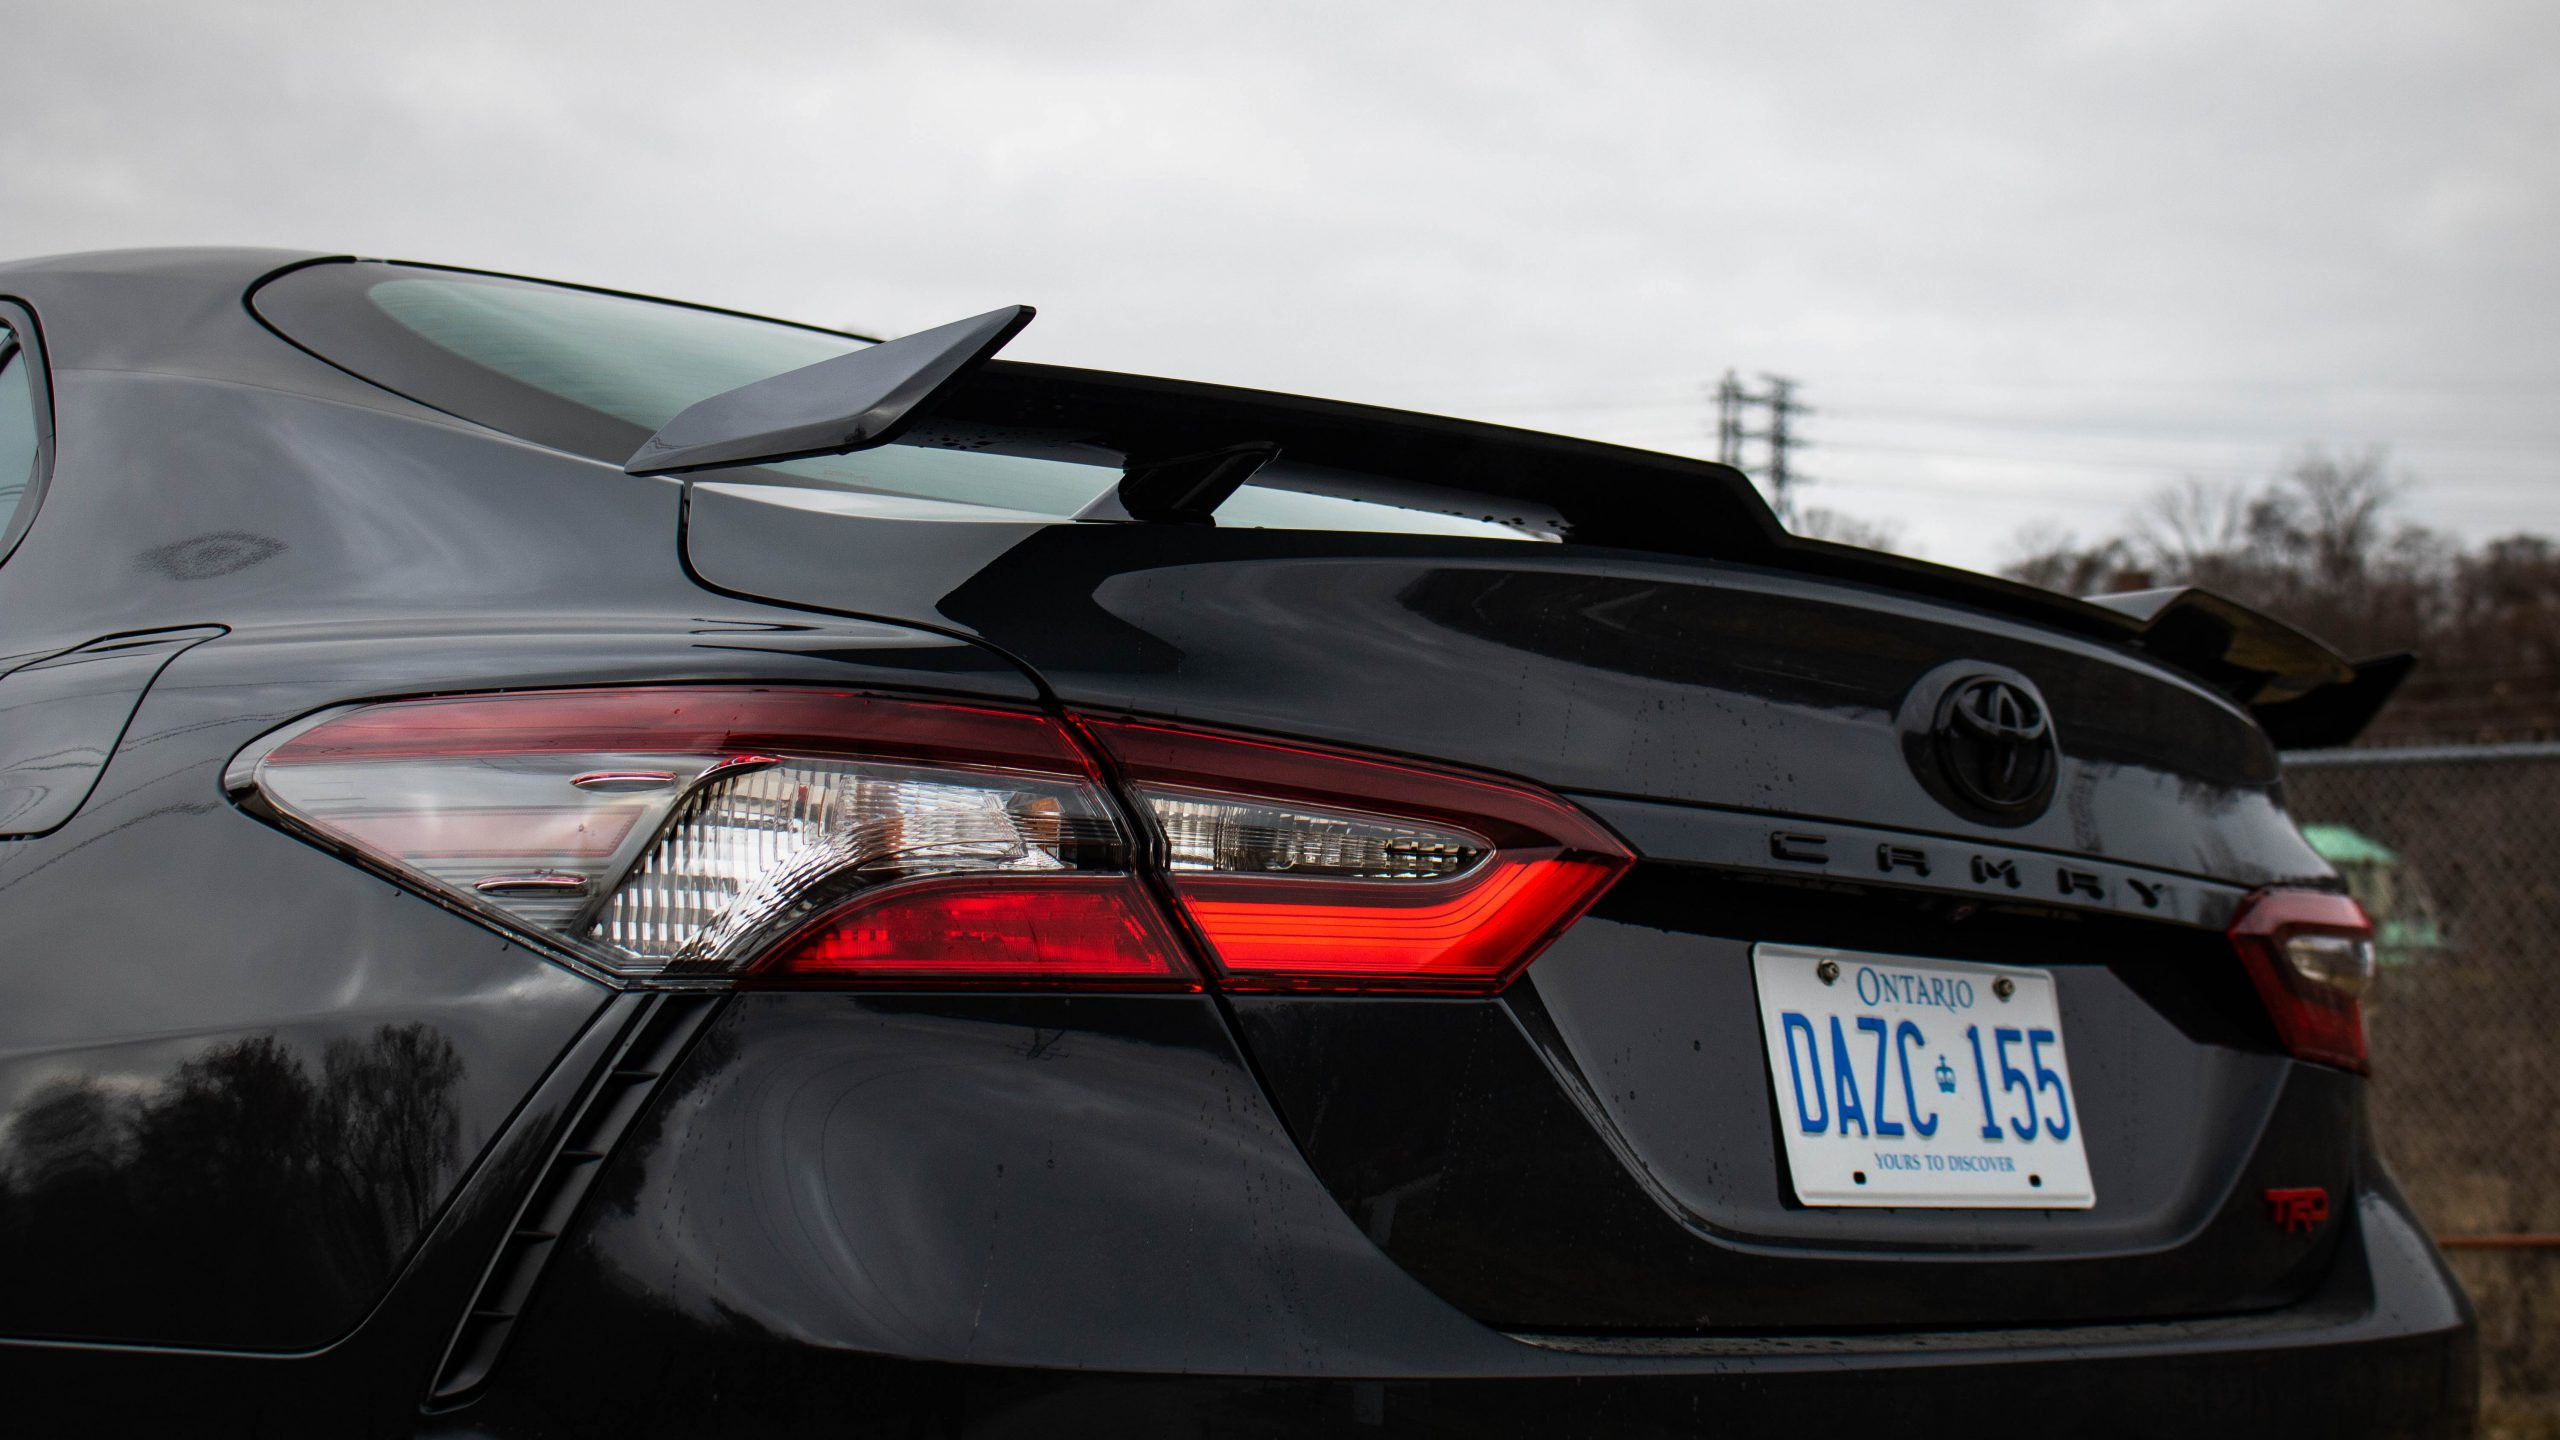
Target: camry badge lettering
{"x": 1801, "y": 848}
{"x": 1804, "y": 847}
{"x": 2079, "y": 882}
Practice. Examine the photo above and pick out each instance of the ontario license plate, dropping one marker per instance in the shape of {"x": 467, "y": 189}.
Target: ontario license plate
{"x": 1926, "y": 1083}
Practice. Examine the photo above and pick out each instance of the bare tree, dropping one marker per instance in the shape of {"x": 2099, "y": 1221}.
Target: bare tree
{"x": 2320, "y": 545}
{"x": 2190, "y": 525}
{"x": 1820, "y": 522}
{"x": 2056, "y": 560}
{"x": 2329, "y": 510}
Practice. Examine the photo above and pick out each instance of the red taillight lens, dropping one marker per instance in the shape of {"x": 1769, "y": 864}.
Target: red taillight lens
{"x": 1293, "y": 934}
{"x": 1307, "y": 869}
{"x": 689, "y": 720}
{"x": 1089, "y": 931}
{"x": 2310, "y": 954}
{"x": 701, "y": 834}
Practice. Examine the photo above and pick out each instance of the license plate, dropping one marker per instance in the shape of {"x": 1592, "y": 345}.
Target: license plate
{"x": 1926, "y": 1083}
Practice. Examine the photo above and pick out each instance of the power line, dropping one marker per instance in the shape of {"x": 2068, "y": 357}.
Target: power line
{"x": 2165, "y": 432}
{"x": 2433, "y": 479}
{"x": 1626, "y": 397}
{"x": 2525, "y": 470}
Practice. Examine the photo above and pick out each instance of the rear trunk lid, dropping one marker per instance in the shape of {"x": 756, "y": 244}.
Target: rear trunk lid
{"x": 1598, "y": 1150}
{"x": 1601, "y": 672}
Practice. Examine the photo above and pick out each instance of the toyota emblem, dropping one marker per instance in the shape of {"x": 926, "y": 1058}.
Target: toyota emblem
{"x": 1995, "y": 742}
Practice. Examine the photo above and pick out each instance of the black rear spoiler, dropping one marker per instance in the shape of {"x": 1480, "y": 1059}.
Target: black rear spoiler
{"x": 941, "y": 386}
{"x": 1606, "y": 495}
{"x": 2306, "y": 695}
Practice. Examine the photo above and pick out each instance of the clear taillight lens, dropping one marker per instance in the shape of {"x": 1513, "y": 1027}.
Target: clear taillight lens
{"x": 1216, "y": 834}
{"x": 762, "y": 845}
{"x": 712, "y": 834}
{"x": 1306, "y": 869}
{"x": 2310, "y": 955}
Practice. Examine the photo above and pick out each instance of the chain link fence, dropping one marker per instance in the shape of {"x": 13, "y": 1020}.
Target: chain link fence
{"x": 2456, "y": 852}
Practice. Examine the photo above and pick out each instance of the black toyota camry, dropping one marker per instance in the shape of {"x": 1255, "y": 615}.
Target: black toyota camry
{"x": 574, "y": 865}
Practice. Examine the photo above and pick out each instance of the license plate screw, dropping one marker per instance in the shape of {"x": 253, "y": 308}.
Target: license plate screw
{"x": 1829, "y": 970}
{"x": 2004, "y": 987}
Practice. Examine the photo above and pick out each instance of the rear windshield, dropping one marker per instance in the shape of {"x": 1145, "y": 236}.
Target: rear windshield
{"x": 597, "y": 373}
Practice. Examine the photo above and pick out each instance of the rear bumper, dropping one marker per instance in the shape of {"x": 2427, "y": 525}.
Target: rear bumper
{"x": 2398, "y": 1388}
{"x": 1045, "y": 1214}
{"x": 2396, "y": 1360}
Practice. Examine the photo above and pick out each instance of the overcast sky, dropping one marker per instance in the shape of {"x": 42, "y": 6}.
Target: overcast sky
{"x": 2025, "y": 260}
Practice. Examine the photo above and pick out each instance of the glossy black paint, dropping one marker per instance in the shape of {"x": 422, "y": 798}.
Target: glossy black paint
{"x": 370, "y": 1380}
{"x": 271, "y": 1127}
{"x": 228, "y": 1124}
{"x": 1590, "y": 671}
{"x": 1195, "y": 442}
{"x": 62, "y": 716}
{"x": 2382, "y": 1386}
{"x": 891, "y": 1174}
{"x": 1730, "y": 699}
{"x": 1511, "y": 1191}
{"x": 619, "y": 1098}
{"x": 836, "y": 1181}
{"x": 241, "y": 1078}
{"x": 1958, "y": 868}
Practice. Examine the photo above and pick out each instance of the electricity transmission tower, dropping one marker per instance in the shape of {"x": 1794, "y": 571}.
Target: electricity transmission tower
{"x": 1777, "y": 438}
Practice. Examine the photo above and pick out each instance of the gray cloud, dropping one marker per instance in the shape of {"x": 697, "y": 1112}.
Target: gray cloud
{"x": 2028, "y": 259}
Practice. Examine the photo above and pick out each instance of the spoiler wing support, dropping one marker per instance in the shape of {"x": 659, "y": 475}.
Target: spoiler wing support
{"x": 1181, "y": 489}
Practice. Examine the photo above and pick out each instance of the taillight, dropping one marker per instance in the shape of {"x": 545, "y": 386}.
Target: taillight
{"x": 1308, "y": 869}
{"x": 2310, "y": 954}
{"x": 776, "y": 836}
{"x": 715, "y": 835}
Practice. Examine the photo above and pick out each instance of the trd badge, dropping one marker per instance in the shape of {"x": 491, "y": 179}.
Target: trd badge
{"x": 2300, "y": 1210}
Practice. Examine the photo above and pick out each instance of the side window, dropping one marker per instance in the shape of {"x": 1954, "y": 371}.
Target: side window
{"x": 17, "y": 430}
{"x": 26, "y": 429}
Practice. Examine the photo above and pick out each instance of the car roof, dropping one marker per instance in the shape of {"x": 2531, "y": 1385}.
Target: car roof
{"x": 184, "y": 309}
{"x": 236, "y": 263}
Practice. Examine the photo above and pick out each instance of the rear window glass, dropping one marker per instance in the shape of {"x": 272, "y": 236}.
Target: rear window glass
{"x": 596, "y": 373}
{"x": 633, "y": 361}
{"x": 642, "y": 362}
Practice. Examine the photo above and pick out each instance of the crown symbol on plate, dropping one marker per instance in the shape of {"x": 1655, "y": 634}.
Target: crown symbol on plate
{"x": 1946, "y": 1077}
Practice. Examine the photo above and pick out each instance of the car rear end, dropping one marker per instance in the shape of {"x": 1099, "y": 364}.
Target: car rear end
{"x": 1444, "y": 952}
